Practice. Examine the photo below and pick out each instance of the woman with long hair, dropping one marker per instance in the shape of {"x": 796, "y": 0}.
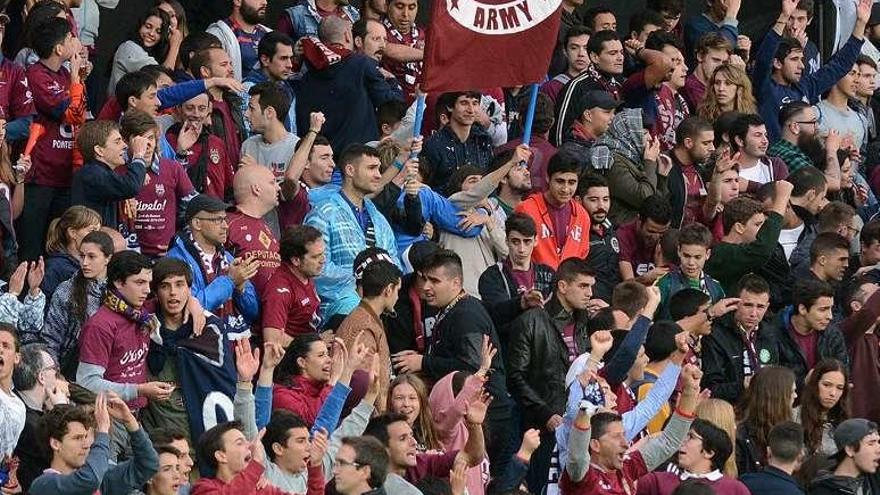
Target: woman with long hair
{"x": 62, "y": 244}
{"x": 824, "y": 405}
{"x": 176, "y": 14}
{"x": 721, "y": 414}
{"x": 769, "y": 400}
{"x": 308, "y": 372}
{"x": 75, "y": 300}
{"x": 154, "y": 43}
{"x": 729, "y": 90}
{"x": 408, "y": 395}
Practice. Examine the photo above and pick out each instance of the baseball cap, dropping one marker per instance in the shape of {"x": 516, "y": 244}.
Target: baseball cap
{"x": 852, "y": 431}
{"x": 203, "y": 202}
{"x": 595, "y": 98}
{"x": 875, "y": 15}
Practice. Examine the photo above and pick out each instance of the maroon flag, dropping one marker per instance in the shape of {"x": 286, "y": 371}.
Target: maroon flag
{"x": 479, "y": 44}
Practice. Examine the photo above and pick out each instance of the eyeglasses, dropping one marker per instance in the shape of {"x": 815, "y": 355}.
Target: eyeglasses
{"x": 343, "y": 463}
{"x": 807, "y": 122}
{"x": 219, "y": 220}
{"x": 4, "y": 19}
{"x": 54, "y": 368}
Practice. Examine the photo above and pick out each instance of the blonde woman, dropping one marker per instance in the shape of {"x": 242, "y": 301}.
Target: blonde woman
{"x": 729, "y": 90}
{"x": 721, "y": 414}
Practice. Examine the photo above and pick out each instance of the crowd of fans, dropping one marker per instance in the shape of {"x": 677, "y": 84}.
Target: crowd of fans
{"x": 243, "y": 274}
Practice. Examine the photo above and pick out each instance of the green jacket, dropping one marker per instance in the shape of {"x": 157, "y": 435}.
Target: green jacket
{"x": 729, "y": 262}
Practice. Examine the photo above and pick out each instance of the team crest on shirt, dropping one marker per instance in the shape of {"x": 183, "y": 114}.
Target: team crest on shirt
{"x": 764, "y": 356}
{"x": 265, "y": 240}
{"x": 615, "y": 245}
{"x": 502, "y": 18}
{"x": 215, "y": 156}
{"x": 160, "y": 189}
{"x": 576, "y": 233}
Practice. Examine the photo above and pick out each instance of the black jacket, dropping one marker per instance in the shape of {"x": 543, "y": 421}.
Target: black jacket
{"x": 604, "y": 259}
{"x": 455, "y": 345}
{"x": 831, "y": 345}
{"x": 539, "y": 360}
{"x": 722, "y": 355}
{"x": 771, "y": 481}
{"x": 101, "y": 188}
{"x": 499, "y": 293}
{"x": 829, "y": 484}
{"x": 749, "y": 458}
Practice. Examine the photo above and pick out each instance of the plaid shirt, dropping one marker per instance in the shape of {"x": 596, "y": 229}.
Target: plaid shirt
{"x": 790, "y": 154}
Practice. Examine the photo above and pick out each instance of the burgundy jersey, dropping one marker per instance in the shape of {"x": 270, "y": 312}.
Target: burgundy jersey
{"x": 249, "y": 236}
{"x": 16, "y": 99}
{"x": 157, "y": 201}
{"x": 53, "y": 154}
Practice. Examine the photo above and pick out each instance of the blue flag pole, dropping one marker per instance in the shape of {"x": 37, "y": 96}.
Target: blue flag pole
{"x": 530, "y": 115}
{"x": 420, "y": 114}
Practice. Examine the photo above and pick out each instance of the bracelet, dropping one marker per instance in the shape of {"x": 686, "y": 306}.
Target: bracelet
{"x": 684, "y": 414}
{"x": 312, "y": 131}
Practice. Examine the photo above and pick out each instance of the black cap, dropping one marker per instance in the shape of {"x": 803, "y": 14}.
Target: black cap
{"x": 852, "y": 431}
{"x": 875, "y": 15}
{"x": 203, "y": 202}
{"x": 595, "y": 98}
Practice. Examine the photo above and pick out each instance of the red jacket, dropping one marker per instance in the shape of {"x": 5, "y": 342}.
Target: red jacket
{"x": 245, "y": 483}
{"x": 303, "y": 398}
{"x": 577, "y": 245}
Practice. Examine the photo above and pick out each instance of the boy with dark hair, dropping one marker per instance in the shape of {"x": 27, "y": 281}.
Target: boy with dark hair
{"x": 516, "y": 284}
{"x": 829, "y": 258}
{"x": 98, "y": 184}
{"x": 694, "y": 249}
{"x": 60, "y": 102}
{"x": 751, "y": 234}
{"x": 694, "y": 147}
{"x": 460, "y": 141}
{"x": 115, "y": 340}
{"x": 785, "y": 450}
{"x": 66, "y": 429}
{"x": 377, "y": 279}
{"x": 538, "y": 357}
{"x": 271, "y": 145}
{"x": 740, "y": 343}
{"x": 702, "y": 455}
{"x": 660, "y": 345}
{"x": 574, "y": 46}
{"x": 290, "y": 301}
{"x": 639, "y": 241}
{"x": 748, "y": 138}
{"x": 805, "y": 336}
{"x": 777, "y": 74}
{"x": 858, "y": 453}
{"x": 562, "y": 222}
{"x": 201, "y": 364}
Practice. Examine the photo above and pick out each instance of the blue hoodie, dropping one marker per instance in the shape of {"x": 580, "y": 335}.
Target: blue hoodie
{"x": 772, "y": 95}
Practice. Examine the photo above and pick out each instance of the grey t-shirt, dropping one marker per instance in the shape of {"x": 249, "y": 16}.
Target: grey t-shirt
{"x": 275, "y": 156}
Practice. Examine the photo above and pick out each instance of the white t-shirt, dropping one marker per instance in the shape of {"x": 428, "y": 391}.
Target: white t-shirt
{"x": 760, "y": 173}
{"x": 12, "y": 415}
{"x": 788, "y": 238}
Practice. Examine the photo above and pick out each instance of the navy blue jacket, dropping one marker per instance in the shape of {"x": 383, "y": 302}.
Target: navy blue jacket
{"x": 771, "y": 95}
{"x": 100, "y": 188}
{"x": 348, "y": 93}
{"x": 445, "y": 154}
{"x": 60, "y": 266}
{"x": 771, "y": 481}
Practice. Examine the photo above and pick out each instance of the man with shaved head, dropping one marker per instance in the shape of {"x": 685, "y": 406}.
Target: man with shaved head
{"x": 256, "y": 194}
